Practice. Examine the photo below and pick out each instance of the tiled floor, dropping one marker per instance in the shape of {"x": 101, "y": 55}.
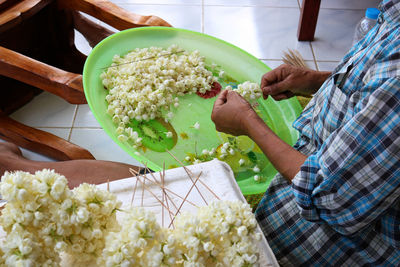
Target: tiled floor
{"x": 265, "y": 28}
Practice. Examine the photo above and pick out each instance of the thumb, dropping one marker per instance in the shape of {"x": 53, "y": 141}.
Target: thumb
{"x": 222, "y": 98}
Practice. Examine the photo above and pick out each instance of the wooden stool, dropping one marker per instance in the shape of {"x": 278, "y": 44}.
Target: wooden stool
{"x": 37, "y": 52}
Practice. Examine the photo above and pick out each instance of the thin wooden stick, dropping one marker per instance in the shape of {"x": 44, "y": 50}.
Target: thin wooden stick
{"x": 172, "y": 192}
{"x": 108, "y": 185}
{"x": 204, "y": 184}
{"x": 162, "y": 177}
{"x": 294, "y": 58}
{"x": 164, "y": 188}
{"x": 135, "y": 173}
{"x": 188, "y": 173}
{"x": 148, "y": 190}
{"x": 190, "y": 190}
{"x": 155, "y": 179}
{"x": 143, "y": 185}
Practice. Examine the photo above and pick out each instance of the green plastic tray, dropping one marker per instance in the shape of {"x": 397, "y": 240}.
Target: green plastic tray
{"x": 236, "y": 63}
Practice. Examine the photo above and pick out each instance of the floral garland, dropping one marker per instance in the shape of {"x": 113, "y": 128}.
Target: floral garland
{"x": 43, "y": 218}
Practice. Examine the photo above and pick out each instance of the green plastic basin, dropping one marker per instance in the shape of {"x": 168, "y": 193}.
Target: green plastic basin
{"x": 236, "y": 63}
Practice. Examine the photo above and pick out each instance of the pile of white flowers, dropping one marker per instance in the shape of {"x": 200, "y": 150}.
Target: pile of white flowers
{"x": 43, "y": 218}
{"x": 144, "y": 84}
{"x": 221, "y": 234}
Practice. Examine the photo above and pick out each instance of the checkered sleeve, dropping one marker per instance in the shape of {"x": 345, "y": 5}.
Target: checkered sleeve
{"x": 353, "y": 178}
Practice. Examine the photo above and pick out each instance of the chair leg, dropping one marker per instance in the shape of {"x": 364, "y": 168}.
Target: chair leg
{"x": 308, "y": 20}
{"x": 40, "y": 141}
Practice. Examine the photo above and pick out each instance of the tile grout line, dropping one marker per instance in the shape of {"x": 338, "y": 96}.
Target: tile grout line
{"x": 314, "y": 58}
{"x": 73, "y": 122}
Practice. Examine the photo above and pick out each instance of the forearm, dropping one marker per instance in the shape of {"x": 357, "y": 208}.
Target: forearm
{"x": 285, "y": 158}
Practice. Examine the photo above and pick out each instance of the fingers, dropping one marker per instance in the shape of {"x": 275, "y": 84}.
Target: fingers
{"x": 282, "y": 96}
{"x": 222, "y": 98}
{"x": 230, "y": 95}
{"x": 276, "y": 89}
{"x": 277, "y": 83}
{"x": 269, "y": 78}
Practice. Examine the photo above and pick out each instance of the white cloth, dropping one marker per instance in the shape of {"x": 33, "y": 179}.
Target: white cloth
{"x": 216, "y": 175}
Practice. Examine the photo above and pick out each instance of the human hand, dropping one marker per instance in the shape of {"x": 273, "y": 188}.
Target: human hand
{"x": 287, "y": 81}
{"x": 232, "y": 113}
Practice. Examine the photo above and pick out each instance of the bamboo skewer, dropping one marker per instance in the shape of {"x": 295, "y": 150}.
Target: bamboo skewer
{"x": 293, "y": 57}
{"x": 135, "y": 173}
{"x": 190, "y": 190}
{"x": 188, "y": 173}
{"x": 148, "y": 190}
{"x": 172, "y": 192}
{"x": 187, "y": 170}
{"x": 164, "y": 192}
{"x": 164, "y": 188}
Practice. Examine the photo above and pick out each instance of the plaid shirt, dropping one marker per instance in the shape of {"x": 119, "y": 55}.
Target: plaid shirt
{"x": 343, "y": 207}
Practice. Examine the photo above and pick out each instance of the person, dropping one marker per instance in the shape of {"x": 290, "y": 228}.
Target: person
{"x": 336, "y": 198}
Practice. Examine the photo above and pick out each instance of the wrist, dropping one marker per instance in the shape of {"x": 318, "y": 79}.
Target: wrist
{"x": 251, "y": 123}
{"x": 317, "y": 79}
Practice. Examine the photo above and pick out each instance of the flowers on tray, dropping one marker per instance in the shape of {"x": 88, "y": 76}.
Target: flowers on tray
{"x": 43, "y": 218}
{"x": 144, "y": 83}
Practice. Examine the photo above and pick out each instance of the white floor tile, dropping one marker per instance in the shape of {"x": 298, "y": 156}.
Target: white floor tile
{"x": 46, "y": 110}
{"x": 186, "y": 17}
{"x": 101, "y": 145}
{"x": 85, "y": 118}
{"x": 158, "y": 2}
{"x": 81, "y": 43}
{"x": 262, "y": 31}
{"x": 352, "y": 4}
{"x": 270, "y": 3}
{"x": 334, "y": 33}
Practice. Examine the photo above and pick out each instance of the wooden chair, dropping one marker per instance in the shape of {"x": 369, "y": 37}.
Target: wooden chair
{"x": 37, "y": 52}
